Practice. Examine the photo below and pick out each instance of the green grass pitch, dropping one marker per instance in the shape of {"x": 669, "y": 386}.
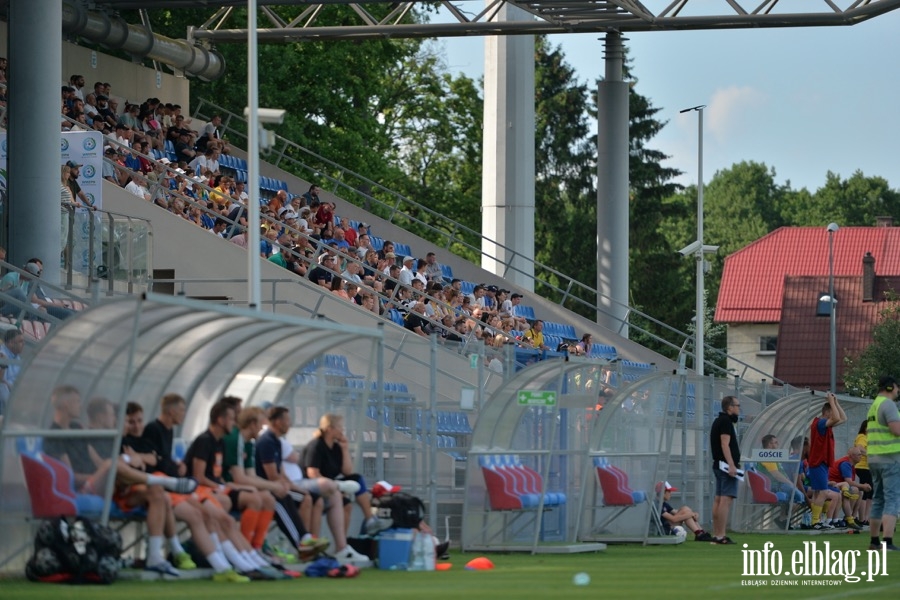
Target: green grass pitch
{"x": 690, "y": 570}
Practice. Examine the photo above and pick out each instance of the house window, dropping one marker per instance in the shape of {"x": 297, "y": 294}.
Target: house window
{"x": 823, "y": 306}
{"x": 768, "y": 343}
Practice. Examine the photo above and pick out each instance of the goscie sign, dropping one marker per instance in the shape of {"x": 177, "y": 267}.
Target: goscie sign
{"x": 769, "y": 455}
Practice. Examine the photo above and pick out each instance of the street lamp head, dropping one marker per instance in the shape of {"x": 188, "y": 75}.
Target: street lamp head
{"x": 833, "y": 227}
{"x": 699, "y": 107}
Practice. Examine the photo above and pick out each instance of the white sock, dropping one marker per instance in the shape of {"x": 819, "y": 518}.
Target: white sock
{"x": 175, "y": 545}
{"x": 215, "y": 539}
{"x": 218, "y": 561}
{"x": 154, "y": 550}
{"x": 254, "y": 560}
{"x": 234, "y": 557}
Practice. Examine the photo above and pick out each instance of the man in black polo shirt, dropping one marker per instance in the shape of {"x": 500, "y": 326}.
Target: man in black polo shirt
{"x": 724, "y": 447}
{"x": 328, "y": 455}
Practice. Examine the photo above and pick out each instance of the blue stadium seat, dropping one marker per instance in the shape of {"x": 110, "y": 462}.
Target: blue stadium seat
{"x": 447, "y": 272}
{"x": 402, "y": 249}
{"x": 377, "y": 242}
{"x": 466, "y": 287}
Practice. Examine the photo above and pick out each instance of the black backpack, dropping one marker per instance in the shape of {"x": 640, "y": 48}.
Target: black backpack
{"x": 74, "y": 551}
{"x": 400, "y": 510}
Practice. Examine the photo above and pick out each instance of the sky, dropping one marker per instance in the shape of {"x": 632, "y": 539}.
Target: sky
{"x": 802, "y": 100}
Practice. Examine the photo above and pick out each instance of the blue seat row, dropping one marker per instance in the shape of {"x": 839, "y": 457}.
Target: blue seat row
{"x": 232, "y": 162}
{"x": 402, "y": 250}
{"x": 377, "y": 242}
{"x": 604, "y": 351}
{"x": 561, "y": 330}
{"x": 525, "y": 312}
{"x": 270, "y": 184}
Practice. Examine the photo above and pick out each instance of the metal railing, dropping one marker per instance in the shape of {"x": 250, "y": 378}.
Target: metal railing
{"x": 107, "y": 248}
{"x": 464, "y": 241}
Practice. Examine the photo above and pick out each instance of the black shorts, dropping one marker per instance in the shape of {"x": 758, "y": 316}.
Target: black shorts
{"x": 865, "y": 476}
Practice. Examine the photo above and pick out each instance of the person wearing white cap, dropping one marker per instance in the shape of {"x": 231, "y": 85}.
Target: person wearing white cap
{"x": 406, "y": 273}
{"x": 683, "y": 516}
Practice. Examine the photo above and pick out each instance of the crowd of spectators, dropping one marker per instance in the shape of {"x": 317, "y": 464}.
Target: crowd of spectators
{"x": 299, "y": 232}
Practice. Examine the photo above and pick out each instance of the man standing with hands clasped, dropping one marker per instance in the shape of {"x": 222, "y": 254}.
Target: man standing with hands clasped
{"x": 724, "y": 445}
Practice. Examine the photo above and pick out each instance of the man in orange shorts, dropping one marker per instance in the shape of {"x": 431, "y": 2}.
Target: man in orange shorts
{"x": 184, "y": 507}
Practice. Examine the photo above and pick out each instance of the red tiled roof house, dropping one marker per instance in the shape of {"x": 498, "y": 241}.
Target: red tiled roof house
{"x": 770, "y": 291}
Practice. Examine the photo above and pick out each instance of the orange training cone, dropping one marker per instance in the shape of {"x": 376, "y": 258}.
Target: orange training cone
{"x": 482, "y": 563}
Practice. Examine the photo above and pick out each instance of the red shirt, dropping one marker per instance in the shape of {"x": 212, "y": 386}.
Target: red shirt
{"x": 821, "y": 447}
{"x": 834, "y": 473}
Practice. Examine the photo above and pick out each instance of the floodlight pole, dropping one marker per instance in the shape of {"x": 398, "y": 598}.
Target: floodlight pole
{"x": 253, "y": 242}
{"x": 832, "y": 319}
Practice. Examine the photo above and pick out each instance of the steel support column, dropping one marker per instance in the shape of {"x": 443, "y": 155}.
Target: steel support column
{"x": 612, "y": 189}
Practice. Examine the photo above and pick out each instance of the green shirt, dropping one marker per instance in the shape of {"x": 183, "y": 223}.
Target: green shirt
{"x": 238, "y": 452}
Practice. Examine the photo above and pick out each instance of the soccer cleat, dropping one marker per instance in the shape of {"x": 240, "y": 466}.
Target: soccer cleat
{"x": 181, "y": 485}
{"x": 349, "y": 556}
{"x": 271, "y": 552}
{"x": 312, "y": 547}
{"x": 854, "y": 526}
{"x": 703, "y": 537}
{"x": 230, "y": 576}
{"x": 442, "y": 550}
{"x": 822, "y": 526}
{"x": 184, "y": 561}
{"x": 163, "y": 568}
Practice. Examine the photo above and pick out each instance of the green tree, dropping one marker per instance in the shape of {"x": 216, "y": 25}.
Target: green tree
{"x": 854, "y": 201}
{"x": 565, "y": 159}
{"x": 881, "y": 357}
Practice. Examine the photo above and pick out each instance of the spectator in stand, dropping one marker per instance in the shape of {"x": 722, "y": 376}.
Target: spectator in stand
{"x": 521, "y": 321}
{"x": 339, "y": 240}
{"x": 77, "y": 83}
{"x": 11, "y": 350}
{"x": 240, "y": 193}
{"x": 583, "y": 348}
{"x": 420, "y": 273}
{"x": 129, "y": 118}
{"x": 17, "y": 287}
{"x": 349, "y": 233}
{"x": 278, "y": 201}
{"x": 210, "y": 132}
{"x": 406, "y": 273}
{"x": 325, "y": 214}
{"x": 351, "y": 273}
{"x": 312, "y": 196}
{"x": 364, "y": 246}
{"x": 209, "y": 160}
{"x": 323, "y": 273}
{"x": 370, "y": 265}
{"x": 132, "y": 186}
{"x": 534, "y": 336}
{"x": 78, "y": 194}
{"x": 415, "y": 320}
{"x": 184, "y": 148}
{"x": 433, "y": 268}
{"x": 386, "y": 248}
{"x": 337, "y": 288}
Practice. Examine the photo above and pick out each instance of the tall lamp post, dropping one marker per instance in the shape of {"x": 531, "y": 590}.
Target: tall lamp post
{"x": 698, "y": 249}
{"x": 832, "y": 339}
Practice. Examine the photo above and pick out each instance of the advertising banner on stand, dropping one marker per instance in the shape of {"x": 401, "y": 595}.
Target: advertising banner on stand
{"x": 85, "y": 149}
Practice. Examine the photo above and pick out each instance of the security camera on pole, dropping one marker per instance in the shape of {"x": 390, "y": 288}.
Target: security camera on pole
{"x": 697, "y": 249}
